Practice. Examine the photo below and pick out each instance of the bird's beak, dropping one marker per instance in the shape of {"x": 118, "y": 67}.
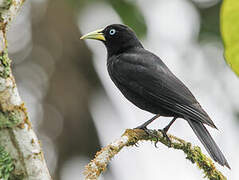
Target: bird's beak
{"x": 98, "y": 35}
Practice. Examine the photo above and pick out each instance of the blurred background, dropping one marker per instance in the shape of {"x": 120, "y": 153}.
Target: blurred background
{"x": 75, "y": 108}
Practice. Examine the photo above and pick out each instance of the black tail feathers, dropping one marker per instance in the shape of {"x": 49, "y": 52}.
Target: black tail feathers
{"x": 207, "y": 141}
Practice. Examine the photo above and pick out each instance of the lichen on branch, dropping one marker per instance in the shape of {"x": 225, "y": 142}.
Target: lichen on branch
{"x": 5, "y": 69}
{"x": 8, "y": 10}
{"x": 132, "y": 136}
{"x": 11, "y": 118}
{"x": 22, "y": 156}
{"x": 6, "y": 164}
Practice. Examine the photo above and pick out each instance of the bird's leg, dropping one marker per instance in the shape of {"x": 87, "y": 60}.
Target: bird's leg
{"x": 144, "y": 127}
{"x": 166, "y": 128}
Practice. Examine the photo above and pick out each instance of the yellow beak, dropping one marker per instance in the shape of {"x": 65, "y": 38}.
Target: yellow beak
{"x": 98, "y": 35}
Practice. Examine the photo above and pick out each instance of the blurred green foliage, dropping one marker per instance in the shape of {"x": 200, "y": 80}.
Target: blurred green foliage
{"x": 130, "y": 15}
{"x": 128, "y": 11}
{"x": 209, "y": 21}
{"x": 230, "y": 32}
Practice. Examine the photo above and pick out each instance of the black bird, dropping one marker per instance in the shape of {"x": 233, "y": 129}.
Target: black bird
{"x": 146, "y": 81}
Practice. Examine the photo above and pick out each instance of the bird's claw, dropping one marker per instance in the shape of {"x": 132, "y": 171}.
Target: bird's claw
{"x": 156, "y": 142}
{"x": 136, "y": 145}
{"x": 166, "y": 136}
{"x": 150, "y": 133}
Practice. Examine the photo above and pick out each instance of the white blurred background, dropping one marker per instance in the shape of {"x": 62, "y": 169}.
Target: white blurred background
{"x": 76, "y": 109}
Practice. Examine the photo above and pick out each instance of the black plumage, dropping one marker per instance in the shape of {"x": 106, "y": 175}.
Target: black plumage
{"x": 147, "y": 82}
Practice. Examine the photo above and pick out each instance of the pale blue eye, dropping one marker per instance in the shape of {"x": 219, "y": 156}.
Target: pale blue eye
{"x": 112, "y": 32}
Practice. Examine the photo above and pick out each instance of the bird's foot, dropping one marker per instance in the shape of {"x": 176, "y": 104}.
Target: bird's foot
{"x": 164, "y": 132}
{"x": 136, "y": 144}
{"x": 149, "y": 133}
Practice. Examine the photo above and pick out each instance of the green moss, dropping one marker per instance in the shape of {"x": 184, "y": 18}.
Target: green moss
{"x": 6, "y": 164}
{"x": 14, "y": 176}
{"x": 10, "y": 119}
{"x": 8, "y": 3}
{"x": 5, "y": 5}
{"x": 5, "y": 64}
{"x": 194, "y": 154}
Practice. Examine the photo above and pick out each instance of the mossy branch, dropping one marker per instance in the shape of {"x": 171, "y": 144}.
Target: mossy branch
{"x": 133, "y": 136}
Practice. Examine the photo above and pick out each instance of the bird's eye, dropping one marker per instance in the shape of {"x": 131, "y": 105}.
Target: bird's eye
{"x": 112, "y": 32}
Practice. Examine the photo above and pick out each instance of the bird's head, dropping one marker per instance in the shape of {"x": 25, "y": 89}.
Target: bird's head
{"x": 117, "y": 38}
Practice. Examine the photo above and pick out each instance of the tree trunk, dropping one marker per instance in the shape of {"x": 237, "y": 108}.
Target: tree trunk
{"x": 21, "y": 156}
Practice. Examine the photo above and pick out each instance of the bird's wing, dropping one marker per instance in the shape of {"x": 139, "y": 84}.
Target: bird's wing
{"x": 146, "y": 75}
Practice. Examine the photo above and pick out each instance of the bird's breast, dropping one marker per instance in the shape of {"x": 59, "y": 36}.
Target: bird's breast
{"x": 133, "y": 92}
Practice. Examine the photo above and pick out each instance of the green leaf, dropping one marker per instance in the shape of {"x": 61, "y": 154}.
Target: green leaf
{"x": 130, "y": 15}
{"x": 230, "y": 32}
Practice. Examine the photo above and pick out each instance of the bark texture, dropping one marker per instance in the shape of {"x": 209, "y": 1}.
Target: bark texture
{"x": 21, "y": 156}
{"x": 132, "y": 136}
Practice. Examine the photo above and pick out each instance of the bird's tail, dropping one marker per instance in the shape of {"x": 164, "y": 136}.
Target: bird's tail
{"x": 210, "y": 145}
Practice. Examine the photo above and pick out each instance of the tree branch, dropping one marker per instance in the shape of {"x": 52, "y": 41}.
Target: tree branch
{"x": 133, "y": 136}
{"x": 21, "y": 156}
